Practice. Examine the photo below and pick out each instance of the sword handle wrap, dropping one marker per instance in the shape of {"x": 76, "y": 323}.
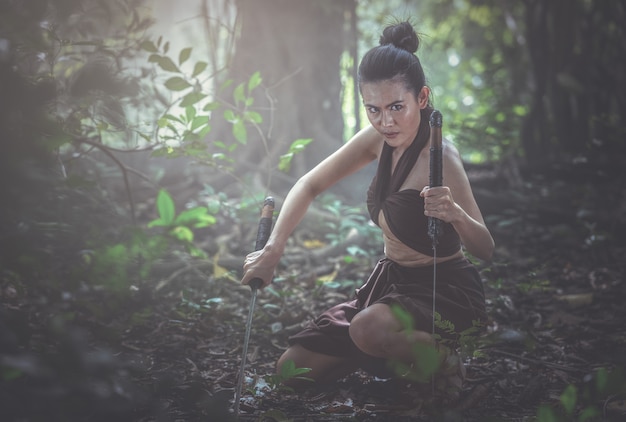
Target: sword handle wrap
{"x": 263, "y": 233}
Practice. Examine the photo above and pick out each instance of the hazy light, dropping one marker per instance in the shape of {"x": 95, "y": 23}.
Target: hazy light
{"x": 453, "y": 59}
{"x": 477, "y": 81}
{"x": 468, "y": 100}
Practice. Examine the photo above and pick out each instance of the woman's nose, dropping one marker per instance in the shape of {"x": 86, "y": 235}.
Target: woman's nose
{"x": 387, "y": 119}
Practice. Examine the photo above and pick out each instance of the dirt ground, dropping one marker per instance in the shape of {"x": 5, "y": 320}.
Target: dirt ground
{"x": 556, "y": 339}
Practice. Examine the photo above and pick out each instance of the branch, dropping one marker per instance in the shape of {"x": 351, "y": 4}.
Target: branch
{"x": 122, "y": 167}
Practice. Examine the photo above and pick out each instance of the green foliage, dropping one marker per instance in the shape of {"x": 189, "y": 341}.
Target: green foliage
{"x": 426, "y": 359}
{"x": 179, "y": 227}
{"x": 288, "y": 371}
{"x": 348, "y": 219}
{"x": 475, "y": 65}
{"x": 184, "y": 133}
{"x": 118, "y": 265}
{"x": 184, "y": 127}
{"x": 203, "y": 306}
{"x": 296, "y": 146}
{"x": 582, "y": 404}
{"x": 534, "y": 285}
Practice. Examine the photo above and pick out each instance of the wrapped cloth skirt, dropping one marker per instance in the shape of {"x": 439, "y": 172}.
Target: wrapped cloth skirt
{"x": 460, "y": 299}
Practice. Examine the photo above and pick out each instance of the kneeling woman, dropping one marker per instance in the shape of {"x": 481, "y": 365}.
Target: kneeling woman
{"x": 365, "y": 332}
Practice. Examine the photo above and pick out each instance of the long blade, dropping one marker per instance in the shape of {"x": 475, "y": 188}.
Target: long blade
{"x": 263, "y": 233}
{"x": 436, "y": 179}
{"x": 436, "y": 168}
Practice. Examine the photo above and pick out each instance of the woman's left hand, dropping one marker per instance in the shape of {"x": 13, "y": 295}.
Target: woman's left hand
{"x": 438, "y": 203}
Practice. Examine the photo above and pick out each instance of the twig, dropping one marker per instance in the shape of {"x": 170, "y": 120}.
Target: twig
{"x": 538, "y": 362}
{"x": 124, "y": 170}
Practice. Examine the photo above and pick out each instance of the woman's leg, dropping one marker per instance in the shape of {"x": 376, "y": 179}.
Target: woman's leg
{"x": 376, "y": 331}
{"x": 324, "y": 368}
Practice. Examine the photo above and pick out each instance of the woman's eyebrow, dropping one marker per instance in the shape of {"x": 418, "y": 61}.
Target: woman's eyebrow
{"x": 388, "y": 105}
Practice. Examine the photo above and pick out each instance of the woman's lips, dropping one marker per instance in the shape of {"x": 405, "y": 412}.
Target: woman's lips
{"x": 391, "y": 135}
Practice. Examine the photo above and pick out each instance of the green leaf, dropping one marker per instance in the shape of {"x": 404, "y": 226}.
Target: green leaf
{"x": 254, "y": 81}
{"x": 184, "y": 55}
{"x": 167, "y": 64}
{"x": 299, "y": 144}
{"x": 196, "y": 217}
{"x": 240, "y": 132}
{"x": 239, "y": 94}
{"x": 545, "y": 414}
{"x": 427, "y": 359}
{"x": 199, "y": 68}
{"x": 588, "y": 413}
{"x": 568, "y": 399}
{"x": 145, "y": 136}
{"x": 182, "y": 233}
{"x": 213, "y": 105}
{"x": 149, "y": 47}
{"x": 192, "y": 98}
{"x": 226, "y": 84}
{"x": 9, "y": 374}
{"x": 204, "y": 131}
{"x": 296, "y": 146}
{"x": 404, "y": 318}
{"x": 199, "y": 121}
{"x": 602, "y": 379}
{"x": 253, "y": 116}
{"x": 154, "y": 58}
{"x": 196, "y": 252}
{"x": 229, "y": 116}
{"x": 190, "y": 113}
{"x": 284, "y": 163}
{"x": 166, "y": 207}
{"x": 177, "y": 84}
{"x": 287, "y": 369}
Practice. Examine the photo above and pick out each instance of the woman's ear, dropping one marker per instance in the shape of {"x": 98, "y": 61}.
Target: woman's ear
{"x": 422, "y": 98}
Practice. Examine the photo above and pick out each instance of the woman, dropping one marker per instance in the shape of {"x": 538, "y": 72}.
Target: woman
{"x": 365, "y": 332}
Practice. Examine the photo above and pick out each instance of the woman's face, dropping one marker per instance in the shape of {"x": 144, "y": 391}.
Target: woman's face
{"x": 393, "y": 110}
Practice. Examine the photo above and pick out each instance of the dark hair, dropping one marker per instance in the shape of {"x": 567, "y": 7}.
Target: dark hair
{"x": 394, "y": 58}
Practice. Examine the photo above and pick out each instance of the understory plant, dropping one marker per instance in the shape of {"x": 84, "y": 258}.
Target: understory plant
{"x": 588, "y": 401}
{"x": 288, "y": 371}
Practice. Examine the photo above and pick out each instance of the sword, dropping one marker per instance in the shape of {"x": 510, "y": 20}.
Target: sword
{"x": 436, "y": 179}
{"x": 263, "y": 233}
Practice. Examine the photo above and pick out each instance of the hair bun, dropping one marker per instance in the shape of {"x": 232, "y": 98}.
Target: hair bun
{"x": 401, "y": 35}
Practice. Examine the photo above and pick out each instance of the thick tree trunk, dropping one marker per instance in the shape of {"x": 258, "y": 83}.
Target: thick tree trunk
{"x": 297, "y": 46}
{"x": 577, "y": 53}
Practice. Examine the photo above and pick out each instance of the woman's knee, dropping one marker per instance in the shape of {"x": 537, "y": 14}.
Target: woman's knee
{"x": 371, "y": 330}
{"x": 294, "y": 353}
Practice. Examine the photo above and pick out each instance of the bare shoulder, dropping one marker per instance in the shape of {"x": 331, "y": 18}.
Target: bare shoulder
{"x": 368, "y": 139}
{"x": 451, "y": 155}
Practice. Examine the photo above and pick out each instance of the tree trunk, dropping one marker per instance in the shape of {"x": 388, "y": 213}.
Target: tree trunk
{"x": 296, "y": 45}
{"x": 576, "y": 51}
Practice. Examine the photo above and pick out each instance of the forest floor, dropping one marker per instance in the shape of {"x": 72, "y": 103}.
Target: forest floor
{"x": 557, "y": 335}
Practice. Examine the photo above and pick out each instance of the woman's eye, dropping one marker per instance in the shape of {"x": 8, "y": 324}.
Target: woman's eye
{"x": 396, "y": 107}
{"x": 372, "y": 110}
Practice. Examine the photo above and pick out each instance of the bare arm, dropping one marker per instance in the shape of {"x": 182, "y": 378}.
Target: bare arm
{"x": 352, "y": 156}
{"x": 455, "y": 203}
